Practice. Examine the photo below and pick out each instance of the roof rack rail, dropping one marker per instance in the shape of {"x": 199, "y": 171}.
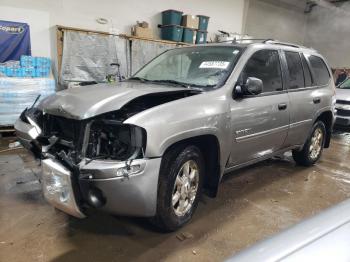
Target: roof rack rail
{"x": 274, "y": 42}
{"x": 262, "y": 40}
{"x": 235, "y": 41}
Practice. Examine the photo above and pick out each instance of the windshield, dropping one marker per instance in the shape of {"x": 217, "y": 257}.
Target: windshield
{"x": 345, "y": 84}
{"x": 192, "y": 66}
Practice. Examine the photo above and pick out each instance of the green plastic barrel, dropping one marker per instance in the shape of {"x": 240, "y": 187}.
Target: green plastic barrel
{"x": 203, "y": 22}
{"x": 201, "y": 37}
{"x": 171, "y": 17}
{"x": 188, "y": 34}
{"x": 172, "y": 32}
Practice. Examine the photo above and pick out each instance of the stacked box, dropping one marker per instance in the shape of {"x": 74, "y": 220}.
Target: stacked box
{"x": 16, "y": 94}
{"x": 28, "y": 66}
{"x": 27, "y": 61}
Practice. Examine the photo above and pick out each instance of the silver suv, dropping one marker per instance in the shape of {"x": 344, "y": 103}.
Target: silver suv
{"x": 150, "y": 145}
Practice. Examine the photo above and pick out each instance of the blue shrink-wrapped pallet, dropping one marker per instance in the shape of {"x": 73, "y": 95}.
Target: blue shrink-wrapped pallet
{"x": 16, "y": 94}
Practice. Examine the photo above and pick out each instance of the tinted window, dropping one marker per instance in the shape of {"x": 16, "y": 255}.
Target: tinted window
{"x": 265, "y": 65}
{"x": 295, "y": 69}
{"x": 307, "y": 72}
{"x": 320, "y": 70}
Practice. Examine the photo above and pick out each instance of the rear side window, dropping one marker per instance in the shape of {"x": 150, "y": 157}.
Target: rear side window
{"x": 265, "y": 65}
{"x": 320, "y": 70}
{"x": 295, "y": 69}
{"x": 307, "y": 72}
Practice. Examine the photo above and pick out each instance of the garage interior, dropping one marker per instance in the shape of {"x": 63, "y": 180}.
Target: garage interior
{"x": 109, "y": 41}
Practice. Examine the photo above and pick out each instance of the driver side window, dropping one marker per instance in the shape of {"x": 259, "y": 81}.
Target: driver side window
{"x": 265, "y": 65}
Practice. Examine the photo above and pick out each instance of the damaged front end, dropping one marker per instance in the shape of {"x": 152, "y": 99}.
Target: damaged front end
{"x": 77, "y": 155}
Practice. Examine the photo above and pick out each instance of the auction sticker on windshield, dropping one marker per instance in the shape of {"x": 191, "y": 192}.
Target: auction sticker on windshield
{"x": 214, "y": 64}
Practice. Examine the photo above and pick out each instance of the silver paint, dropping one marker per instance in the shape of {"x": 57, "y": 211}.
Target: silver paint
{"x": 247, "y": 130}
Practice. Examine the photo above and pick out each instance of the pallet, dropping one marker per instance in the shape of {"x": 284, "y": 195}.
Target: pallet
{"x": 7, "y": 131}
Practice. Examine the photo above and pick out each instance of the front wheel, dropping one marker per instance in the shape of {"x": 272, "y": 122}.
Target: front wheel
{"x": 180, "y": 186}
{"x": 312, "y": 150}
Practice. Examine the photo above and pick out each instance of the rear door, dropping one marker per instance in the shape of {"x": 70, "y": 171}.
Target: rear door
{"x": 260, "y": 122}
{"x": 305, "y": 93}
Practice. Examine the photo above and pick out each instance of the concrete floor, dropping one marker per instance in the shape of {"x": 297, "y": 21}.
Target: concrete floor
{"x": 252, "y": 204}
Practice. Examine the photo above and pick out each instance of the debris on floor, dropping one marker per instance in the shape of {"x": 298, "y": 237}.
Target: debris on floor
{"x": 184, "y": 235}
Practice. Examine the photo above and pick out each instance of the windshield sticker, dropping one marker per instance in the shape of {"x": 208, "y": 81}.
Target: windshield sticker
{"x": 214, "y": 64}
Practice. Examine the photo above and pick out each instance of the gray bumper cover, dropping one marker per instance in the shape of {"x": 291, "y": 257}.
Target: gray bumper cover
{"x": 134, "y": 195}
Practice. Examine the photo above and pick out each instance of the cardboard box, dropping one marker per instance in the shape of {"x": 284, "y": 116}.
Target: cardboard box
{"x": 190, "y": 21}
{"x": 142, "y": 32}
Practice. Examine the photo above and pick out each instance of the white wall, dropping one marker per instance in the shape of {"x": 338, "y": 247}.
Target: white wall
{"x": 278, "y": 19}
{"x": 224, "y": 14}
{"x": 39, "y": 26}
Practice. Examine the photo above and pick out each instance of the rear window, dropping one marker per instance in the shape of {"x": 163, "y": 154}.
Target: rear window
{"x": 295, "y": 69}
{"x": 307, "y": 72}
{"x": 320, "y": 70}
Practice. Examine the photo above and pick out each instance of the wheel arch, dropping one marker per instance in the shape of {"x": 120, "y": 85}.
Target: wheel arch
{"x": 327, "y": 118}
{"x": 209, "y": 146}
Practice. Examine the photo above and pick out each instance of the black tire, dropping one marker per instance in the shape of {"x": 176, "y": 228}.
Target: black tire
{"x": 304, "y": 156}
{"x": 166, "y": 219}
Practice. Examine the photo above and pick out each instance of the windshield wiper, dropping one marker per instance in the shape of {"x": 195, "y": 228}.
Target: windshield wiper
{"x": 169, "y": 81}
{"x": 138, "y": 78}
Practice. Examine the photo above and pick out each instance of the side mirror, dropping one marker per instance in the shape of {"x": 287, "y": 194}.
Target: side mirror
{"x": 253, "y": 86}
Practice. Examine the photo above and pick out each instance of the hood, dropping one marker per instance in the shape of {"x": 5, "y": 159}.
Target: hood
{"x": 343, "y": 94}
{"x": 88, "y": 101}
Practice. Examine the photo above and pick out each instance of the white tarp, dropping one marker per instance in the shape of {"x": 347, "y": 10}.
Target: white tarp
{"x": 87, "y": 57}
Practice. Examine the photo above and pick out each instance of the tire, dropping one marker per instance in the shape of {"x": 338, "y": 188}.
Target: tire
{"x": 173, "y": 168}
{"x": 308, "y": 156}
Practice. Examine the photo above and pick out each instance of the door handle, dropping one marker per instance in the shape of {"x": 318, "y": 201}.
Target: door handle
{"x": 282, "y": 106}
{"x": 316, "y": 100}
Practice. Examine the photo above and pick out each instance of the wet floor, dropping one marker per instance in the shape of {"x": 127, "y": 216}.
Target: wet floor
{"x": 252, "y": 204}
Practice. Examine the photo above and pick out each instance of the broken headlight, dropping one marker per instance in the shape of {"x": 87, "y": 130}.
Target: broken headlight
{"x": 110, "y": 139}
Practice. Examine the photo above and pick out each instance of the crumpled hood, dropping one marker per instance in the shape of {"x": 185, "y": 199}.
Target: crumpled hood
{"x": 343, "y": 94}
{"x": 88, "y": 101}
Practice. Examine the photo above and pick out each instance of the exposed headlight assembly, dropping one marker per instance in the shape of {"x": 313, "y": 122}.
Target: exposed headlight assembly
{"x": 35, "y": 131}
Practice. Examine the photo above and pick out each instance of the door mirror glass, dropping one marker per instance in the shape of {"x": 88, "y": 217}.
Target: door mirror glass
{"x": 253, "y": 86}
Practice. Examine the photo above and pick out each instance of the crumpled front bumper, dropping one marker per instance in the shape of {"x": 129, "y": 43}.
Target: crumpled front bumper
{"x": 58, "y": 187}
{"x": 98, "y": 186}
{"x": 97, "y": 183}
{"x": 132, "y": 195}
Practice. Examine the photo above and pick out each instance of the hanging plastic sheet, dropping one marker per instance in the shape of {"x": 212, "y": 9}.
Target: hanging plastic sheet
{"x": 88, "y": 57}
{"x": 144, "y": 51}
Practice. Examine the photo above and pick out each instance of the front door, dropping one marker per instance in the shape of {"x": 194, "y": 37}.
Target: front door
{"x": 260, "y": 122}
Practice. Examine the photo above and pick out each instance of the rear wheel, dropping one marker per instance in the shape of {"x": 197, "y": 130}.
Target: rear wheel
{"x": 312, "y": 150}
{"x": 180, "y": 186}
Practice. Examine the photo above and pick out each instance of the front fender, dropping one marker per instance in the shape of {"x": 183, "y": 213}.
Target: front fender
{"x": 204, "y": 114}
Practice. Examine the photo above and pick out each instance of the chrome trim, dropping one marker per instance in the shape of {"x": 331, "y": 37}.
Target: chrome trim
{"x": 51, "y": 167}
{"x": 295, "y": 124}
{"x": 262, "y": 133}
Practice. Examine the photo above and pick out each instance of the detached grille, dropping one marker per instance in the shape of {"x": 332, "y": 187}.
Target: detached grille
{"x": 67, "y": 129}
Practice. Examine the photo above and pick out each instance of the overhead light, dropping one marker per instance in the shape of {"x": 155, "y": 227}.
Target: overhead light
{"x": 102, "y": 20}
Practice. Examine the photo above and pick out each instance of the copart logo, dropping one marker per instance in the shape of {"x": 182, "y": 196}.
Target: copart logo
{"x": 12, "y": 29}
